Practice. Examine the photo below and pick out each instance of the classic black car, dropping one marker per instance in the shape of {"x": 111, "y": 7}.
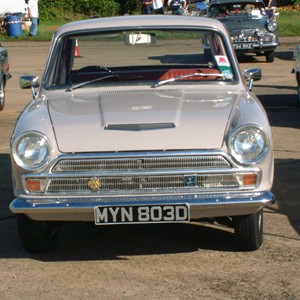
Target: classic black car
{"x": 4, "y": 68}
{"x": 251, "y": 25}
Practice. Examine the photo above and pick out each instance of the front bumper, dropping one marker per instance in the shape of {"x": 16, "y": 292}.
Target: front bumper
{"x": 261, "y": 47}
{"x": 201, "y": 206}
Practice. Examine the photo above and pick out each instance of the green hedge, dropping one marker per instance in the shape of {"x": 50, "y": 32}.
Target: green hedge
{"x": 287, "y": 2}
{"x": 51, "y": 10}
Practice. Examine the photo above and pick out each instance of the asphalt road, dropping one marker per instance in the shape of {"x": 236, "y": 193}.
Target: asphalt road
{"x": 154, "y": 262}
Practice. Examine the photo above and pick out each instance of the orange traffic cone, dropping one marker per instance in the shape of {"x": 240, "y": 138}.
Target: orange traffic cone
{"x": 77, "y": 50}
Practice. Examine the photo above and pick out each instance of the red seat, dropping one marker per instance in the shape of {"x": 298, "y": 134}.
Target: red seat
{"x": 172, "y": 73}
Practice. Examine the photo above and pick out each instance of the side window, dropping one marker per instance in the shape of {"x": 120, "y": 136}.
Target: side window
{"x": 64, "y": 62}
{"x": 215, "y": 51}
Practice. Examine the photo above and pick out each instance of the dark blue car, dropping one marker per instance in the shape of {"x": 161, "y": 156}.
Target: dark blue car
{"x": 251, "y": 25}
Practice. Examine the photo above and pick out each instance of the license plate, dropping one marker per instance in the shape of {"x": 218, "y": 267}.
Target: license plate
{"x": 107, "y": 215}
{"x": 243, "y": 46}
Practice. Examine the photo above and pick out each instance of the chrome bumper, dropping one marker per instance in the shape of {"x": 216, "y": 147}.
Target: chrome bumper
{"x": 201, "y": 206}
{"x": 261, "y": 47}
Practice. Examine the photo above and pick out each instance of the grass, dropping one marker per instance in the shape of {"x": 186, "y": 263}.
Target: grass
{"x": 288, "y": 25}
{"x": 45, "y": 33}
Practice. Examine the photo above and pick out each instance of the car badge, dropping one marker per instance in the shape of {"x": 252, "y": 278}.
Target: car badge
{"x": 190, "y": 180}
{"x": 94, "y": 184}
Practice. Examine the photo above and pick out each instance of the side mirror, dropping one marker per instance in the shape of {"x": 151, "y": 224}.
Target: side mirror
{"x": 29, "y": 82}
{"x": 251, "y": 75}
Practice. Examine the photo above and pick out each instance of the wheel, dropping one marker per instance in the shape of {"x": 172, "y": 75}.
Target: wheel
{"x": 270, "y": 55}
{"x": 36, "y": 236}
{"x": 249, "y": 230}
{"x": 2, "y": 95}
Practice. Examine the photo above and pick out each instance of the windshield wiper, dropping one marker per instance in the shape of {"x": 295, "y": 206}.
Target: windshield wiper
{"x": 187, "y": 76}
{"x": 80, "y": 84}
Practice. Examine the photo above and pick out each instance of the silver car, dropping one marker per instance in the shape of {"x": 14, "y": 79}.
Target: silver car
{"x": 141, "y": 119}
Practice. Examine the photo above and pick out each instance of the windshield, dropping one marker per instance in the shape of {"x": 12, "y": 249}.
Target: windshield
{"x": 250, "y": 9}
{"x": 141, "y": 57}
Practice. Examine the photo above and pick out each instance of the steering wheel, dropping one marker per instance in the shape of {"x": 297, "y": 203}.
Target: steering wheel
{"x": 91, "y": 68}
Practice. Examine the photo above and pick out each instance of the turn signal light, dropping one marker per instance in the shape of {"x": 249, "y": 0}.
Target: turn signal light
{"x": 250, "y": 179}
{"x": 33, "y": 185}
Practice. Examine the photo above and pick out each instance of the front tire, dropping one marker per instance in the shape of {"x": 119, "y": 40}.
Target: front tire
{"x": 249, "y": 230}
{"x": 270, "y": 55}
{"x": 36, "y": 236}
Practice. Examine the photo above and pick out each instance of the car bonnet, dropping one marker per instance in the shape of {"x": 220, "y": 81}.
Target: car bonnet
{"x": 87, "y": 120}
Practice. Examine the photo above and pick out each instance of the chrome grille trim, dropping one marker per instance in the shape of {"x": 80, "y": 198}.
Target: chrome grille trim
{"x": 140, "y": 163}
{"x": 140, "y": 173}
{"x": 142, "y": 183}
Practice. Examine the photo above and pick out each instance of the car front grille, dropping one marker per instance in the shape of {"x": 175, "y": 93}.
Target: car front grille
{"x": 142, "y": 183}
{"x": 245, "y": 39}
{"x": 140, "y": 163}
{"x": 244, "y": 36}
{"x": 157, "y": 172}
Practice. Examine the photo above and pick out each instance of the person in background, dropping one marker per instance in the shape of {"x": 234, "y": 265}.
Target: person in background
{"x": 33, "y": 13}
{"x": 158, "y": 6}
{"x": 176, "y": 6}
{"x": 146, "y": 7}
{"x": 271, "y": 8}
{"x": 272, "y": 3}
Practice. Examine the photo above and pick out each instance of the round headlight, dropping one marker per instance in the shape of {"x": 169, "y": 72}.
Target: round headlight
{"x": 249, "y": 144}
{"x": 272, "y": 25}
{"x": 31, "y": 150}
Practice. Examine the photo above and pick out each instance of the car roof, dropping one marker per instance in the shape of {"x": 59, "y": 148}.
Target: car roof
{"x": 217, "y": 2}
{"x": 122, "y": 22}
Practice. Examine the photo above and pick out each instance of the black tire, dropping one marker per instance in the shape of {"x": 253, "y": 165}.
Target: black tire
{"x": 36, "y": 236}
{"x": 270, "y": 55}
{"x": 2, "y": 95}
{"x": 249, "y": 231}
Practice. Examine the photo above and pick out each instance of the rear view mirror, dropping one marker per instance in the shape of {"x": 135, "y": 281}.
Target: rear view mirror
{"x": 139, "y": 38}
